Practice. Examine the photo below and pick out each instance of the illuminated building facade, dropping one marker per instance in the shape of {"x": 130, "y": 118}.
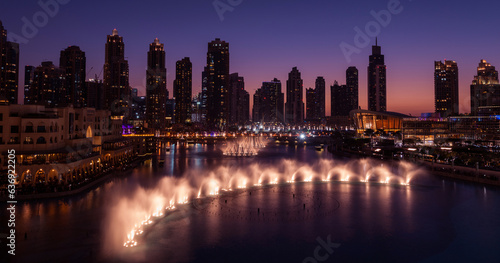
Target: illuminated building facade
{"x": 29, "y": 78}
{"x": 156, "y": 87}
{"x": 73, "y": 63}
{"x": 377, "y": 121}
{"x": 116, "y": 76}
{"x": 217, "y": 74}
{"x": 9, "y": 69}
{"x": 268, "y": 102}
{"x": 352, "y": 85}
{"x": 426, "y": 129}
{"x": 61, "y": 144}
{"x": 377, "y": 85}
{"x": 183, "y": 88}
{"x": 446, "y": 88}
{"x": 48, "y": 87}
{"x": 485, "y": 90}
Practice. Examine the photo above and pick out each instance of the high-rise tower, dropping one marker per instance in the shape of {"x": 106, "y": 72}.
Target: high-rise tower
{"x": 294, "y": 106}
{"x": 73, "y": 62}
{"x": 217, "y": 73}
{"x": 156, "y": 87}
{"x": 446, "y": 87}
{"x": 9, "y": 69}
{"x": 183, "y": 88}
{"x": 116, "y": 76}
{"x": 377, "y": 86}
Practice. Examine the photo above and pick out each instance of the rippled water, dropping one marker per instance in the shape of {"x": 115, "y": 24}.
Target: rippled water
{"x": 434, "y": 221}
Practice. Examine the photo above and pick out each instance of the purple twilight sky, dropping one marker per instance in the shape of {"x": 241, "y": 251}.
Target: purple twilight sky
{"x": 268, "y": 38}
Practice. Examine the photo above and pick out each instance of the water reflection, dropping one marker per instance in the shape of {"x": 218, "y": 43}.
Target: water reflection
{"x": 390, "y": 223}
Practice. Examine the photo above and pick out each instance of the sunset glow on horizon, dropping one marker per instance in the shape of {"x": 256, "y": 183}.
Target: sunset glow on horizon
{"x": 268, "y": 38}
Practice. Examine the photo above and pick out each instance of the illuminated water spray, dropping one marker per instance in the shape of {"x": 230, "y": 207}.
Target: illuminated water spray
{"x": 245, "y": 147}
{"x": 132, "y": 215}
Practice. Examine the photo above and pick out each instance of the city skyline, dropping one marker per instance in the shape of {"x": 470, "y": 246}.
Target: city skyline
{"x": 403, "y": 82}
{"x": 250, "y": 131}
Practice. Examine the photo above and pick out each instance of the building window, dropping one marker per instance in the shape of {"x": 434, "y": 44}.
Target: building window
{"x": 29, "y": 128}
{"x": 14, "y": 140}
{"x": 1, "y": 116}
{"x": 1, "y": 128}
{"x": 40, "y": 129}
{"x": 41, "y": 140}
{"x": 28, "y": 140}
{"x": 14, "y": 129}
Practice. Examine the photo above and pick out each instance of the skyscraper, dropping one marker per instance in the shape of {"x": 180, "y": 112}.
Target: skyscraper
{"x": 29, "y": 77}
{"x": 217, "y": 73}
{"x": 95, "y": 98}
{"x": 3, "y": 42}
{"x": 183, "y": 87}
{"x": 485, "y": 90}
{"x": 446, "y": 88}
{"x": 73, "y": 62}
{"x": 9, "y": 69}
{"x": 204, "y": 95}
{"x": 315, "y": 101}
{"x": 49, "y": 86}
{"x": 377, "y": 90}
{"x": 311, "y": 104}
{"x": 294, "y": 106}
{"x": 341, "y": 100}
{"x": 320, "y": 98}
{"x": 239, "y": 101}
{"x": 196, "y": 108}
{"x": 352, "y": 83}
{"x": 116, "y": 76}
{"x": 138, "y": 108}
{"x": 156, "y": 86}
{"x": 268, "y": 102}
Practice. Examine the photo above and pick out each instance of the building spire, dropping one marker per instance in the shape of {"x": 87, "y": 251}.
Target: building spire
{"x": 376, "y": 41}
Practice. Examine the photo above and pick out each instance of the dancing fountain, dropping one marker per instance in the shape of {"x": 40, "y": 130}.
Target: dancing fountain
{"x": 131, "y": 217}
{"x": 248, "y": 146}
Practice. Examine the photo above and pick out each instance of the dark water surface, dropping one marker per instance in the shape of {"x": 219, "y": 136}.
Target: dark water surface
{"x": 435, "y": 221}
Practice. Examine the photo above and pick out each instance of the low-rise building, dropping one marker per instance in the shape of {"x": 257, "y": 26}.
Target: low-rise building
{"x": 59, "y": 144}
{"x": 389, "y": 122}
{"x": 425, "y": 129}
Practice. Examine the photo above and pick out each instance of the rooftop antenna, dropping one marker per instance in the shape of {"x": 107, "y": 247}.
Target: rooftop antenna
{"x": 376, "y": 41}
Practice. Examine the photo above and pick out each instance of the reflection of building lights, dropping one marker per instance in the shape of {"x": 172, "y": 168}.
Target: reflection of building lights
{"x": 412, "y": 149}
